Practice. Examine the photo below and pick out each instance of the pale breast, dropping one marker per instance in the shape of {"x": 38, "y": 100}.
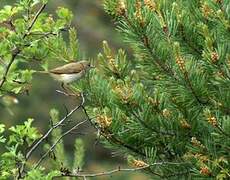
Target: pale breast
{"x": 67, "y": 78}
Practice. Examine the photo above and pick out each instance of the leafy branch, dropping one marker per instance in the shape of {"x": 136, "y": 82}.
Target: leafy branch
{"x": 16, "y": 51}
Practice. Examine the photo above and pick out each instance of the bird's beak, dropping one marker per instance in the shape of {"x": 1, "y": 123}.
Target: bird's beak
{"x": 91, "y": 66}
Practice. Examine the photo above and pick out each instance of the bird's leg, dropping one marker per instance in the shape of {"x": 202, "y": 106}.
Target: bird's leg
{"x": 63, "y": 86}
{"x": 68, "y": 91}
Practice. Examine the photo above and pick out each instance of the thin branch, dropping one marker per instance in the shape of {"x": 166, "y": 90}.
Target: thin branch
{"x": 57, "y": 141}
{"x": 45, "y": 34}
{"x": 35, "y": 19}
{"x": 54, "y": 127}
{"x": 16, "y": 51}
{"x": 60, "y": 123}
{"x": 117, "y": 170}
{"x": 14, "y": 54}
{"x": 107, "y": 173}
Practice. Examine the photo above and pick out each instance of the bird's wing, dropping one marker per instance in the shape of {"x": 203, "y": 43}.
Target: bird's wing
{"x": 70, "y": 68}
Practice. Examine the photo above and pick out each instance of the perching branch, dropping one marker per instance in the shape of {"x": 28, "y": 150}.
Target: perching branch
{"x": 16, "y": 51}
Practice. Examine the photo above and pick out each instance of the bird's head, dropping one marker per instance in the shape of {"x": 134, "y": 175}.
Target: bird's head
{"x": 87, "y": 65}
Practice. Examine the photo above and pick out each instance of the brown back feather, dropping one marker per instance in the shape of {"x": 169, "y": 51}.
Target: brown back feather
{"x": 70, "y": 68}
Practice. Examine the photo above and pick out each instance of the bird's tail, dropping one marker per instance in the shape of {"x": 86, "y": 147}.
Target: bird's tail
{"x": 42, "y": 72}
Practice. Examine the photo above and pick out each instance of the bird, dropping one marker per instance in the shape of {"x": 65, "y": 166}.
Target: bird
{"x": 70, "y": 72}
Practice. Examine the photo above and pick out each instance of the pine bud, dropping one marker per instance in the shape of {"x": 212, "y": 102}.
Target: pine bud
{"x": 150, "y": 4}
{"x": 139, "y": 163}
{"x": 121, "y": 8}
{"x": 138, "y": 13}
{"x": 185, "y": 124}
{"x": 205, "y": 171}
{"x": 214, "y": 57}
{"x": 196, "y": 143}
{"x": 212, "y": 120}
{"x": 153, "y": 101}
{"x": 124, "y": 93}
{"x": 203, "y": 158}
{"x": 166, "y": 113}
{"x": 104, "y": 121}
{"x": 111, "y": 60}
{"x": 206, "y": 10}
{"x": 181, "y": 63}
{"x": 200, "y": 157}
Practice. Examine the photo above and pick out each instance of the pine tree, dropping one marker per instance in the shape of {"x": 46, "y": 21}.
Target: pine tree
{"x": 168, "y": 105}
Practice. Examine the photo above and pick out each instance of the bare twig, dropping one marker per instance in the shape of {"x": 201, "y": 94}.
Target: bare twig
{"x": 54, "y": 127}
{"x": 117, "y": 170}
{"x": 16, "y": 51}
{"x": 57, "y": 141}
{"x": 106, "y": 173}
{"x": 45, "y": 34}
{"x": 35, "y": 146}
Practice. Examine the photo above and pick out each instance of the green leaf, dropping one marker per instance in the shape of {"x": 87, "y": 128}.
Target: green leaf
{"x": 2, "y": 128}
{"x": 24, "y": 133}
{"x": 8, "y": 11}
{"x": 2, "y": 139}
{"x": 27, "y": 75}
{"x": 65, "y": 14}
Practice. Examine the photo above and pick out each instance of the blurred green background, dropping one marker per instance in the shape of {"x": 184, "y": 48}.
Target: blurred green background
{"x": 93, "y": 26}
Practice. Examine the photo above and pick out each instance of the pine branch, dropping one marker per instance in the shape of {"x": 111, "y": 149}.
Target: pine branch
{"x": 192, "y": 89}
{"x": 110, "y": 136}
{"x": 197, "y": 51}
{"x": 156, "y": 60}
{"x": 151, "y": 128}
